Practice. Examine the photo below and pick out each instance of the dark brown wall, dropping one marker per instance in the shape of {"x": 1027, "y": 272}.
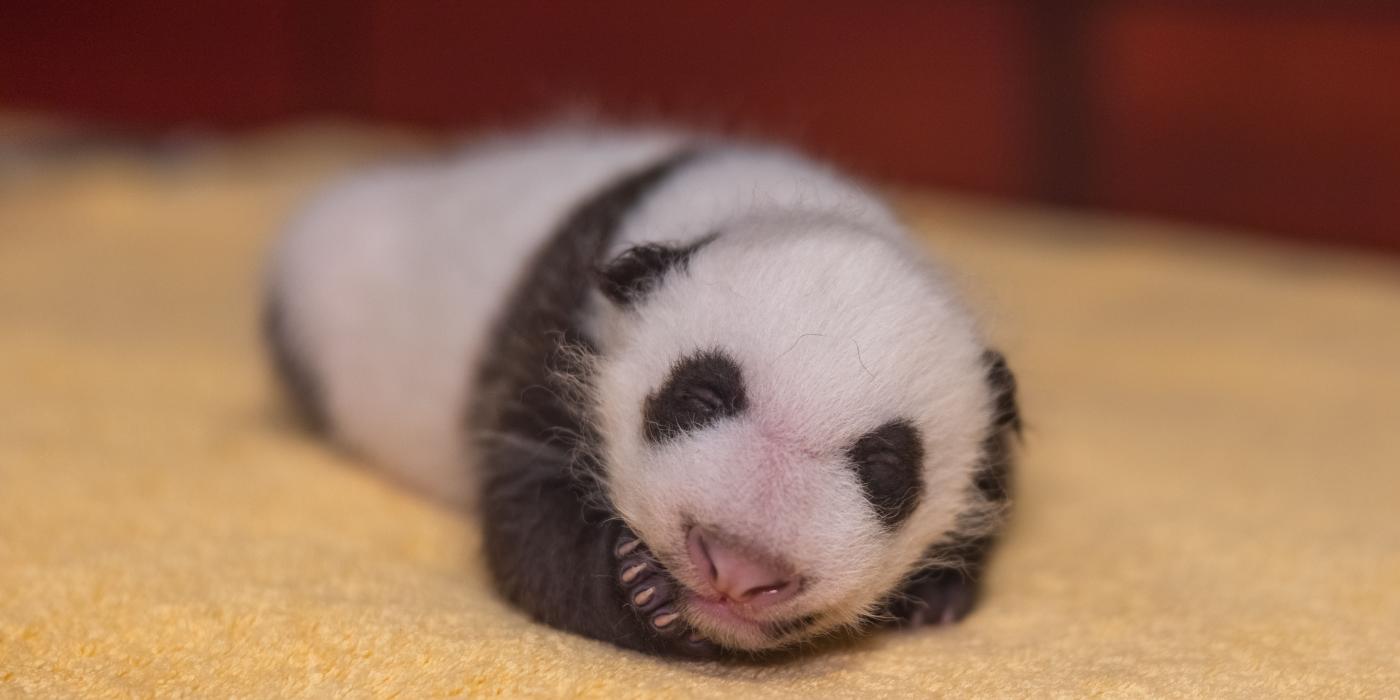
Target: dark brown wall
{"x": 1283, "y": 120}
{"x": 1283, "y": 116}
{"x": 885, "y": 89}
{"x": 151, "y": 63}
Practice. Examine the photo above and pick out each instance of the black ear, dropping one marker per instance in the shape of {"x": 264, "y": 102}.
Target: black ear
{"x": 1003, "y": 385}
{"x": 630, "y": 276}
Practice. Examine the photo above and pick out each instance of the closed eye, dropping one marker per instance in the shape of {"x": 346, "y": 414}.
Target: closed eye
{"x": 703, "y": 400}
{"x": 699, "y": 390}
{"x": 888, "y": 461}
{"x": 882, "y": 461}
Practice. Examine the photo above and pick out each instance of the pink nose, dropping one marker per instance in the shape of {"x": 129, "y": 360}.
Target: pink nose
{"x": 737, "y": 575}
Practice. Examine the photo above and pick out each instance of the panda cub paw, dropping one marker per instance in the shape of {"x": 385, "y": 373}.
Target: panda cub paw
{"x": 938, "y": 598}
{"x": 651, "y": 594}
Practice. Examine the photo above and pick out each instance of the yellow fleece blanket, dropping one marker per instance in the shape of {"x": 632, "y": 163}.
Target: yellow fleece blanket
{"x": 1209, "y": 501}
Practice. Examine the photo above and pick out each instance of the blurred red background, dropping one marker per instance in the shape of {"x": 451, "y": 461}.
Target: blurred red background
{"x": 1280, "y": 117}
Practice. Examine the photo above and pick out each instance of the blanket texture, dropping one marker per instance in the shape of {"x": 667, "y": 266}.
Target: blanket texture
{"x": 1208, "y": 504}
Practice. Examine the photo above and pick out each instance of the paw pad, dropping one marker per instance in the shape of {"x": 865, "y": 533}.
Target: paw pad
{"x": 936, "y": 601}
{"x": 651, "y": 594}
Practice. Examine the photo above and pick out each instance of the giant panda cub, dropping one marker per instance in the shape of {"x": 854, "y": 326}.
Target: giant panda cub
{"x": 706, "y": 397}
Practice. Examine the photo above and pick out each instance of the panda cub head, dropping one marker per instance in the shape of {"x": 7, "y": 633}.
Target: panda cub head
{"x": 792, "y": 413}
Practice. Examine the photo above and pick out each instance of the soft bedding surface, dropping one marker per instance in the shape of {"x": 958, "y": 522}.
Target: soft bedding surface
{"x": 1209, "y": 501}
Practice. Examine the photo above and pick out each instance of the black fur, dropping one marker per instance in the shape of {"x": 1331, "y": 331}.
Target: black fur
{"x": 936, "y": 596}
{"x": 994, "y": 478}
{"x": 632, "y": 275}
{"x": 551, "y": 540}
{"x": 549, "y": 551}
{"x": 549, "y": 533}
{"x": 700, "y": 390}
{"x": 889, "y": 462}
{"x": 301, "y": 388}
{"x": 947, "y": 593}
{"x": 651, "y": 594}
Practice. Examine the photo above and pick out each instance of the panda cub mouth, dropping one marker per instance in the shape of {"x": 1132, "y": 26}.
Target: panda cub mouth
{"x": 737, "y": 589}
{"x": 773, "y": 630}
{"x": 716, "y": 593}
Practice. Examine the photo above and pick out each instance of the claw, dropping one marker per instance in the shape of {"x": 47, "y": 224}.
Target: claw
{"x": 626, "y": 546}
{"x": 632, "y": 571}
{"x": 650, "y": 593}
{"x": 665, "y": 619}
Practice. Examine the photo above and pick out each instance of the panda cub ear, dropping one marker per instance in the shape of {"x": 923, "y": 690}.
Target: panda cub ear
{"x": 634, "y": 273}
{"x": 1003, "y": 386}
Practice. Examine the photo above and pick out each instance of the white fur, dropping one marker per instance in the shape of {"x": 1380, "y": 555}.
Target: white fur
{"x": 391, "y": 280}
{"x": 812, "y": 287}
{"x": 838, "y": 330}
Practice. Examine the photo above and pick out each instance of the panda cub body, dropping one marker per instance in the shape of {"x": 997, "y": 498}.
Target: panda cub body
{"x": 706, "y": 397}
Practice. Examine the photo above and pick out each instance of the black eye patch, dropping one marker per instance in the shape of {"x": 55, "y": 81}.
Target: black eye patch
{"x": 889, "y": 463}
{"x": 700, "y": 390}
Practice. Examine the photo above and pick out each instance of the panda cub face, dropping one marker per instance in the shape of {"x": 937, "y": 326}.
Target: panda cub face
{"x": 791, "y": 415}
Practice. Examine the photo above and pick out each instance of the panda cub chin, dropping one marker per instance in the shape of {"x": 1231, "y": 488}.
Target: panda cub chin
{"x": 706, "y": 397}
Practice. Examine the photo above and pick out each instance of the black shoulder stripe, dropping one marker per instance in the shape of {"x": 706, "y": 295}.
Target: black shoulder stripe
{"x": 548, "y": 530}
{"x": 520, "y": 390}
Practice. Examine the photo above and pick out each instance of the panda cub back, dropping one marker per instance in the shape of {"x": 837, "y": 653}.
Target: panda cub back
{"x": 706, "y": 397}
